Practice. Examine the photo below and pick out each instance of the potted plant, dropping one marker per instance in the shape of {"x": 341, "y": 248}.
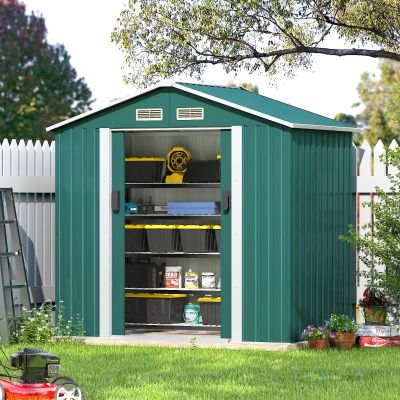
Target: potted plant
{"x": 317, "y": 337}
{"x": 374, "y": 304}
{"x": 344, "y": 329}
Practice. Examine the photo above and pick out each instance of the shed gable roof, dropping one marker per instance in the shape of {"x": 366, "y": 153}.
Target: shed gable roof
{"x": 243, "y": 100}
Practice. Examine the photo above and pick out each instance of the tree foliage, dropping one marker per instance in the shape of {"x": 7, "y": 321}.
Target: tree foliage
{"x": 379, "y": 248}
{"x": 161, "y": 38}
{"x": 381, "y": 100}
{"x": 38, "y": 85}
{"x": 245, "y": 85}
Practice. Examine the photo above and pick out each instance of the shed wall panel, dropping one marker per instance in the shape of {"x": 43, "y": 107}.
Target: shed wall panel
{"x": 323, "y": 266}
{"x": 266, "y": 234}
{"x": 77, "y": 187}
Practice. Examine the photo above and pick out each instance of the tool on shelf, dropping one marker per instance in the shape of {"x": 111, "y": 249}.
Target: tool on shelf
{"x": 177, "y": 160}
{"x": 14, "y": 290}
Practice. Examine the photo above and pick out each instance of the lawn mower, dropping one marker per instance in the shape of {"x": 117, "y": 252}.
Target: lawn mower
{"x": 40, "y": 378}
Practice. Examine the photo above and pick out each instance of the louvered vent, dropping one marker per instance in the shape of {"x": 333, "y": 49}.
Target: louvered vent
{"x": 149, "y": 114}
{"x": 189, "y": 113}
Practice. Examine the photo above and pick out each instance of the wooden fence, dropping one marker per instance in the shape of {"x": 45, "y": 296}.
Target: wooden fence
{"x": 29, "y": 168}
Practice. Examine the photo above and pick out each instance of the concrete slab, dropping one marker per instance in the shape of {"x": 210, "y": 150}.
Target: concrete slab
{"x": 200, "y": 339}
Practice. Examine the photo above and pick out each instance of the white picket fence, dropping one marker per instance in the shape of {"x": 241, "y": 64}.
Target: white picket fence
{"x": 369, "y": 172}
{"x": 29, "y": 168}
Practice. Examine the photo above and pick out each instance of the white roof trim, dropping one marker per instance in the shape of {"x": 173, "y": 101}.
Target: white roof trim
{"x": 266, "y": 116}
{"x": 212, "y": 98}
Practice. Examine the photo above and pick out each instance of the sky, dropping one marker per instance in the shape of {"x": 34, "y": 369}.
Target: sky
{"x": 85, "y": 26}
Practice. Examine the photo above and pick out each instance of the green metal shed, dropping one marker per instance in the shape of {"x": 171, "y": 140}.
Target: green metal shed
{"x": 287, "y": 171}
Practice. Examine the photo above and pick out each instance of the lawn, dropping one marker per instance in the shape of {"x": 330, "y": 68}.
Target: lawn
{"x": 130, "y": 373}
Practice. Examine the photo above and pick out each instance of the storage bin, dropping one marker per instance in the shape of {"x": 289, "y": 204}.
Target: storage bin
{"x": 157, "y": 308}
{"x": 202, "y": 171}
{"x": 193, "y": 207}
{"x": 144, "y": 275}
{"x": 195, "y": 238}
{"x": 135, "y": 238}
{"x": 217, "y": 237}
{"x": 162, "y": 238}
{"x": 210, "y": 308}
{"x": 144, "y": 169}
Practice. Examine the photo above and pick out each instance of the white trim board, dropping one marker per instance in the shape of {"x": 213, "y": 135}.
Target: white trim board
{"x": 105, "y": 224}
{"x": 212, "y": 98}
{"x": 236, "y": 236}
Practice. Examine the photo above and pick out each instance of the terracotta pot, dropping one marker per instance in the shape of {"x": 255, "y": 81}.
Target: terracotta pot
{"x": 317, "y": 344}
{"x": 375, "y": 315}
{"x": 345, "y": 340}
{"x": 332, "y": 342}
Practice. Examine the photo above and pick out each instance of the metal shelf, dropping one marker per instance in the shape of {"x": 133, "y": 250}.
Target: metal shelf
{"x": 172, "y": 255}
{"x": 191, "y": 216}
{"x": 183, "y": 326}
{"x": 179, "y": 290}
{"x": 172, "y": 185}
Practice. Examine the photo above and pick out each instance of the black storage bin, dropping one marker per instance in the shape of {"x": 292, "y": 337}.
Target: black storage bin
{"x": 154, "y": 308}
{"x": 210, "y": 308}
{"x": 162, "y": 238}
{"x": 144, "y": 169}
{"x": 135, "y": 238}
{"x": 195, "y": 238}
{"x": 202, "y": 171}
{"x": 144, "y": 275}
{"x": 217, "y": 237}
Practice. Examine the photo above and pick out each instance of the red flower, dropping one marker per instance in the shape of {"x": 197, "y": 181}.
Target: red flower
{"x": 366, "y": 291}
{"x": 366, "y": 299}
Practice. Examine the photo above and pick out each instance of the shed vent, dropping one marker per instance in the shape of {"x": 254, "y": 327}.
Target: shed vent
{"x": 189, "y": 113}
{"x": 149, "y": 114}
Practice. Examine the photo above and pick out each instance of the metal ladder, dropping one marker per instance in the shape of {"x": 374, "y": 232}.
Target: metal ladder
{"x": 14, "y": 290}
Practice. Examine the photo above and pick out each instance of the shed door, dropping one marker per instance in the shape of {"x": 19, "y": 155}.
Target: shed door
{"x": 118, "y": 233}
{"x": 226, "y": 234}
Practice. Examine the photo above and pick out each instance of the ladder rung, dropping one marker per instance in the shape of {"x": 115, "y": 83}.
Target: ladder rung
{"x": 14, "y": 286}
{"x": 11, "y": 254}
{"x": 8, "y": 221}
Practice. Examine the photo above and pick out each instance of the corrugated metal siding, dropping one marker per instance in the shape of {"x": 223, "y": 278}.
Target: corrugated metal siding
{"x": 77, "y": 230}
{"x": 323, "y": 267}
{"x": 267, "y": 295}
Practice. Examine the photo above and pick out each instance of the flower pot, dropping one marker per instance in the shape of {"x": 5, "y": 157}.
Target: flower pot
{"x": 344, "y": 340}
{"x": 375, "y": 315}
{"x": 317, "y": 344}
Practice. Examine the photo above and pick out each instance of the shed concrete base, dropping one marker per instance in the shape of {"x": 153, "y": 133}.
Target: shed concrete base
{"x": 199, "y": 339}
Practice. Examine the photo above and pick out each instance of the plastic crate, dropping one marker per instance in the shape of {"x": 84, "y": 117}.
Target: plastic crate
{"x": 217, "y": 237}
{"x": 144, "y": 275}
{"x": 154, "y": 308}
{"x": 202, "y": 171}
{"x": 162, "y": 238}
{"x": 144, "y": 169}
{"x": 210, "y": 308}
{"x": 135, "y": 238}
{"x": 195, "y": 238}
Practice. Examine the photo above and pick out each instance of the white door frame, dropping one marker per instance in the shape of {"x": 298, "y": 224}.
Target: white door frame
{"x": 105, "y": 225}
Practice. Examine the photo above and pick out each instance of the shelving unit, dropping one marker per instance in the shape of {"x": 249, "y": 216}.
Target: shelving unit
{"x": 182, "y": 326}
{"x": 161, "y": 193}
{"x": 173, "y": 290}
{"x": 171, "y": 255}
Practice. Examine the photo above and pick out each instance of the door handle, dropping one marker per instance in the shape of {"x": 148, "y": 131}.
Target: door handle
{"x": 226, "y": 200}
{"x": 115, "y": 200}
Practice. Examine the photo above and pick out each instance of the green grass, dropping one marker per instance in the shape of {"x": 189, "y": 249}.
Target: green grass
{"x": 130, "y": 373}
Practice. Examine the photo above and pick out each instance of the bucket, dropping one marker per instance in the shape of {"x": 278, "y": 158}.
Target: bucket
{"x": 173, "y": 277}
{"x": 191, "y": 314}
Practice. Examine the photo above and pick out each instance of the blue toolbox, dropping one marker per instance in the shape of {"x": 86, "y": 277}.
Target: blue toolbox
{"x": 193, "y": 208}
